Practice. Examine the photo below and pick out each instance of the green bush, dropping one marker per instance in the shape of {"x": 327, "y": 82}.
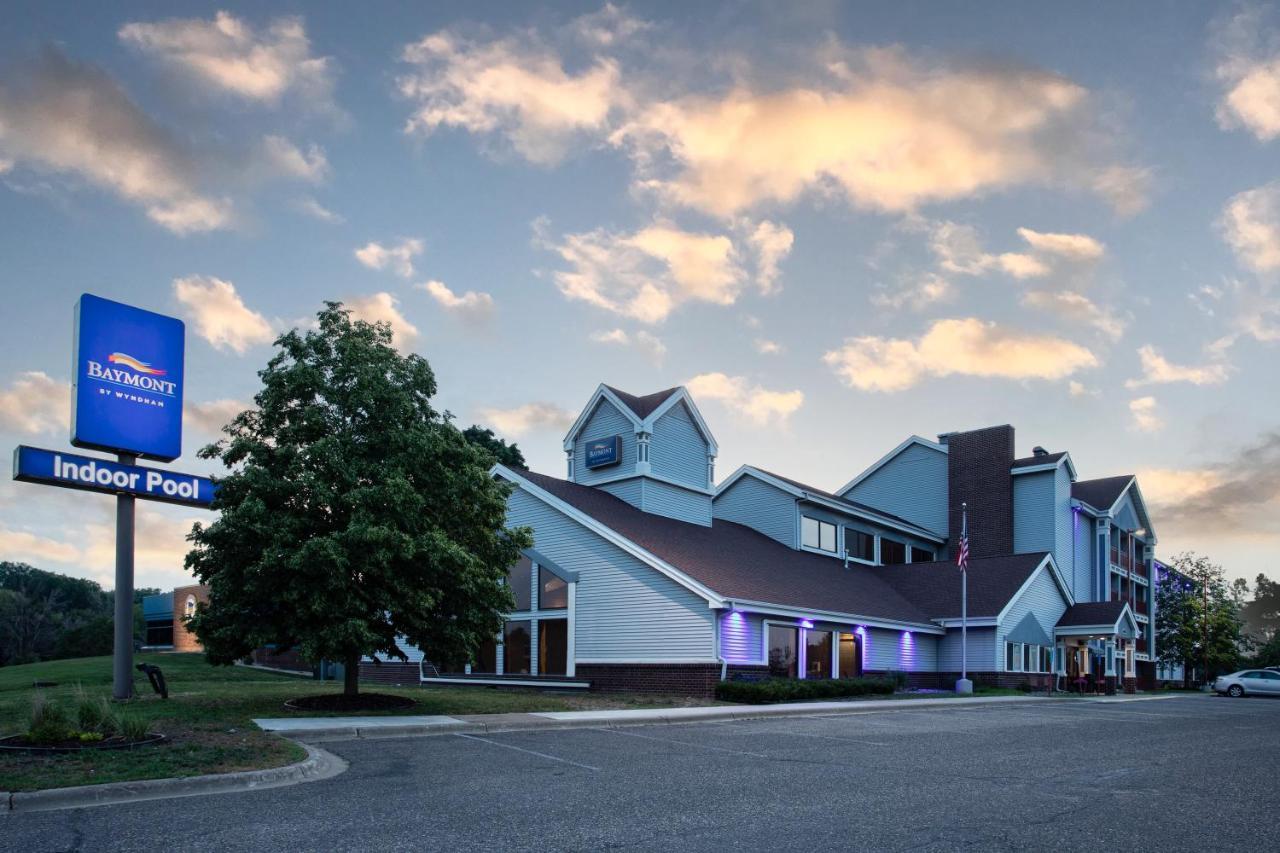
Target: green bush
{"x": 49, "y": 722}
{"x": 132, "y": 727}
{"x": 94, "y": 715}
{"x": 898, "y": 677}
{"x": 798, "y": 690}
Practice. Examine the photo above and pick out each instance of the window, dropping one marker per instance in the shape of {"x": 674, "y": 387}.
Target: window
{"x": 553, "y": 593}
{"x": 189, "y": 609}
{"x": 553, "y": 646}
{"x": 860, "y": 545}
{"x": 891, "y": 552}
{"x": 782, "y": 651}
{"x": 1046, "y": 659}
{"x": 486, "y": 657}
{"x": 817, "y": 534}
{"x": 515, "y": 655}
{"x": 817, "y": 654}
{"x": 850, "y": 659}
{"x": 920, "y": 555}
{"x": 1029, "y": 658}
{"x": 519, "y": 578}
{"x": 1013, "y": 657}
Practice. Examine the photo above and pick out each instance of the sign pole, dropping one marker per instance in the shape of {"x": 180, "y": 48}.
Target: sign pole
{"x": 122, "y": 659}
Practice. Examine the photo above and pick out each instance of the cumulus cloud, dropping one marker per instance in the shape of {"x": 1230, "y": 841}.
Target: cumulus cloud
{"x": 316, "y": 210}
{"x": 1145, "y": 414}
{"x": 916, "y": 292}
{"x": 1072, "y": 247}
{"x": 211, "y": 416}
{"x": 471, "y": 306}
{"x": 70, "y": 118}
{"x": 1247, "y": 48}
{"x": 772, "y": 243}
{"x": 1157, "y": 370}
{"x": 764, "y": 346}
{"x": 35, "y": 403}
{"x": 1070, "y": 305}
{"x": 643, "y": 341}
{"x": 965, "y": 346}
{"x": 219, "y": 314}
{"x": 959, "y": 249}
{"x": 1250, "y": 224}
{"x": 759, "y": 405}
{"x": 228, "y": 55}
{"x": 398, "y": 259}
{"x": 522, "y": 419}
{"x": 382, "y": 307}
{"x": 30, "y": 547}
{"x": 285, "y": 158}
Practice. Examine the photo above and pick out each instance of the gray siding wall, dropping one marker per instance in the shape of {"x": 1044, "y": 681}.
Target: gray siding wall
{"x": 912, "y": 485}
{"x": 761, "y": 507}
{"x": 981, "y": 650}
{"x": 886, "y": 649}
{"x": 1043, "y": 599}
{"x": 677, "y": 450}
{"x": 626, "y": 611}
{"x": 605, "y": 421}
{"x": 1082, "y": 560}
{"x": 1064, "y": 539}
{"x": 674, "y": 502}
{"x": 742, "y": 637}
{"x": 630, "y": 490}
{"x": 1033, "y": 517}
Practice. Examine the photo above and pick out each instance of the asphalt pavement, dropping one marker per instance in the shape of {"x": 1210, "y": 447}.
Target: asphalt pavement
{"x": 1184, "y": 773}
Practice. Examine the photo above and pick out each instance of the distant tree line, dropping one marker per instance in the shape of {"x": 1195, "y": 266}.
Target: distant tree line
{"x": 48, "y": 616}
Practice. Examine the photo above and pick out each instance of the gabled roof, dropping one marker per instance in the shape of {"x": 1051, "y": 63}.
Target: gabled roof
{"x": 1045, "y": 462}
{"x": 935, "y": 587}
{"x": 738, "y": 564}
{"x": 888, "y": 457}
{"x": 1101, "y": 494}
{"x": 1106, "y": 615}
{"x": 642, "y": 411}
{"x": 813, "y": 494}
{"x": 642, "y": 407}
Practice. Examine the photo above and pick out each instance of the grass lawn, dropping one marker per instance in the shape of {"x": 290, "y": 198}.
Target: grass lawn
{"x": 207, "y": 717}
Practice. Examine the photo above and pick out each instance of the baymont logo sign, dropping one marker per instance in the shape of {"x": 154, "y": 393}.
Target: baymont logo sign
{"x": 133, "y": 374}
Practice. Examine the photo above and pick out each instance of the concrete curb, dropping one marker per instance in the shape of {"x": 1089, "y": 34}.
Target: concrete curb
{"x": 318, "y": 765}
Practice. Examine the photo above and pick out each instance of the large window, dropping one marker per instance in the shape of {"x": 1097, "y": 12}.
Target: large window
{"x": 553, "y": 646}
{"x": 486, "y": 661}
{"x": 815, "y": 533}
{"x": 892, "y": 552}
{"x": 515, "y": 655}
{"x": 520, "y": 579}
{"x": 783, "y": 651}
{"x": 1013, "y": 657}
{"x": 817, "y": 654}
{"x": 860, "y": 545}
{"x": 553, "y": 593}
{"x": 850, "y": 659}
{"x": 1025, "y": 657}
{"x": 920, "y": 555}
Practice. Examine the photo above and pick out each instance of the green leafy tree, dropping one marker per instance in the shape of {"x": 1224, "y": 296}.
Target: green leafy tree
{"x": 353, "y": 512}
{"x": 1198, "y": 622}
{"x": 1262, "y": 614}
{"x": 507, "y": 454}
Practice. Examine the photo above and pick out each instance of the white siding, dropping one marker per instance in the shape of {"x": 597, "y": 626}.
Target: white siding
{"x": 912, "y": 485}
{"x": 761, "y": 507}
{"x": 625, "y": 609}
{"x": 631, "y": 491}
{"x": 981, "y": 650}
{"x": 605, "y": 421}
{"x": 674, "y": 502}
{"x": 677, "y": 449}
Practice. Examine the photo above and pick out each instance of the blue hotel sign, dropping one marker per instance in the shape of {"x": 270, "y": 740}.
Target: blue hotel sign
{"x": 127, "y": 369}
{"x": 604, "y": 451}
{"x": 54, "y": 468}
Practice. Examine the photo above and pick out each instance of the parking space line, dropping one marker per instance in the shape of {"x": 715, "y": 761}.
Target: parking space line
{"x": 527, "y": 751}
{"x": 685, "y": 743}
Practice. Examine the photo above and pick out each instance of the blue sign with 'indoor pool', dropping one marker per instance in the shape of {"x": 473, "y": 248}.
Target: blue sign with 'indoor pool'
{"x": 72, "y": 471}
{"x": 127, "y": 371}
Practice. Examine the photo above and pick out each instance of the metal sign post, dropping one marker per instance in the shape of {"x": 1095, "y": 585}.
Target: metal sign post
{"x": 122, "y": 652}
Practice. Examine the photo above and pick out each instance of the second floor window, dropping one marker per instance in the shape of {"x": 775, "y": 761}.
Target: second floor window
{"x": 860, "y": 545}
{"x": 520, "y": 578}
{"x": 920, "y": 555}
{"x": 892, "y": 552}
{"x": 817, "y": 534}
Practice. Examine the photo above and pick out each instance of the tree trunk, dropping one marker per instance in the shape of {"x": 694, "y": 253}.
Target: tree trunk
{"x": 351, "y": 676}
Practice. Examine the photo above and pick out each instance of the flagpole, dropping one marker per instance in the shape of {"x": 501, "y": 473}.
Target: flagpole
{"x": 964, "y": 685}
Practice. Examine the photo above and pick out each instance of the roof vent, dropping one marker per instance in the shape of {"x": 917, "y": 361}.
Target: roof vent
{"x": 1039, "y": 451}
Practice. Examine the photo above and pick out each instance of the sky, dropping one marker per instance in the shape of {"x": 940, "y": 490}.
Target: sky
{"x": 837, "y": 224}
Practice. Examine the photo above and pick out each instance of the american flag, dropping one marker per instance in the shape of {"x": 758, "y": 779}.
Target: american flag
{"x": 962, "y": 557}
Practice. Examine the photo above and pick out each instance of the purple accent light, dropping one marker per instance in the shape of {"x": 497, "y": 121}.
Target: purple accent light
{"x": 805, "y": 623}
{"x": 735, "y": 639}
{"x": 907, "y": 652}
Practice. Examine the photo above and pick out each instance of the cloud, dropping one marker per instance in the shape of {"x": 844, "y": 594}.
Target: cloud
{"x": 959, "y": 249}
{"x": 965, "y": 346}
{"x": 1250, "y": 224}
{"x": 220, "y": 315}
{"x": 917, "y": 293}
{"x": 1145, "y": 414}
{"x": 471, "y": 306}
{"x": 382, "y": 307}
{"x": 757, "y": 404}
{"x": 228, "y": 55}
{"x": 768, "y": 347}
{"x": 1247, "y": 45}
{"x": 1079, "y": 248}
{"x": 514, "y": 88}
{"x": 316, "y": 210}
{"x": 1071, "y": 305}
{"x": 285, "y": 158}
{"x": 35, "y": 403}
{"x": 159, "y": 551}
{"x": 772, "y": 243}
{"x": 646, "y": 274}
{"x": 1078, "y": 389}
{"x": 211, "y": 416}
{"x": 399, "y": 259}
{"x": 645, "y": 342}
{"x": 29, "y": 547}
{"x": 1126, "y": 188}
{"x": 1157, "y": 370}
{"x": 522, "y": 419}
{"x": 71, "y": 118}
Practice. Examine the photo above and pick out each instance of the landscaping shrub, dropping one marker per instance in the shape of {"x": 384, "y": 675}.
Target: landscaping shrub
{"x": 94, "y": 715}
{"x": 49, "y": 722}
{"x": 798, "y": 690}
{"x": 898, "y": 677}
{"x": 132, "y": 728}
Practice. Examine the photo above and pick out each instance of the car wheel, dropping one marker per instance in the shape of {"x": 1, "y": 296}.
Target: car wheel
{"x": 1235, "y": 691}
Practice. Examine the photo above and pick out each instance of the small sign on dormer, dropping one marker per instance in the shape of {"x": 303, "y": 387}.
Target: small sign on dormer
{"x": 602, "y": 452}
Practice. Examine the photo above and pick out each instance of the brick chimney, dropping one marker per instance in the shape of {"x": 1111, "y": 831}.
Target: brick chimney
{"x": 978, "y": 472}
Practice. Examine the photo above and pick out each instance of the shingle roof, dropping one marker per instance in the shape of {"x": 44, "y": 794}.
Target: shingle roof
{"x": 851, "y": 504}
{"x": 1102, "y": 493}
{"x": 1092, "y": 613}
{"x": 644, "y": 406}
{"x": 1046, "y": 459}
{"x": 739, "y": 563}
{"x": 935, "y": 587}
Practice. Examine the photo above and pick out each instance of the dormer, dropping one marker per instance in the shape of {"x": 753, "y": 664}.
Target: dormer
{"x": 654, "y": 451}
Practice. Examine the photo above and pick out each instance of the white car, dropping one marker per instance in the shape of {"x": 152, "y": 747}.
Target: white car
{"x": 1249, "y": 682}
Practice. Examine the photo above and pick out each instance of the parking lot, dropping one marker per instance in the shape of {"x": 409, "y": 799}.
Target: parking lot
{"x": 1189, "y": 772}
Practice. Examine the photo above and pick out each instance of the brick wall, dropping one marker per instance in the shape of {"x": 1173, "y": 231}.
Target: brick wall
{"x": 1012, "y": 680}
{"x": 183, "y": 639}
{"x": 978, "y": 464}
{"x": 692, "y": 679}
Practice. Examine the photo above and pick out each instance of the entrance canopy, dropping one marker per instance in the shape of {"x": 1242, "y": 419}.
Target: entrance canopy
{"x": 1098, "y": 619}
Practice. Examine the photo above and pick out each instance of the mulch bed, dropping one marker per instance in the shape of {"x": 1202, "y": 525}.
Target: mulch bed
{"x": 342, "y": 702}
{"x": 19, "y": 743}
